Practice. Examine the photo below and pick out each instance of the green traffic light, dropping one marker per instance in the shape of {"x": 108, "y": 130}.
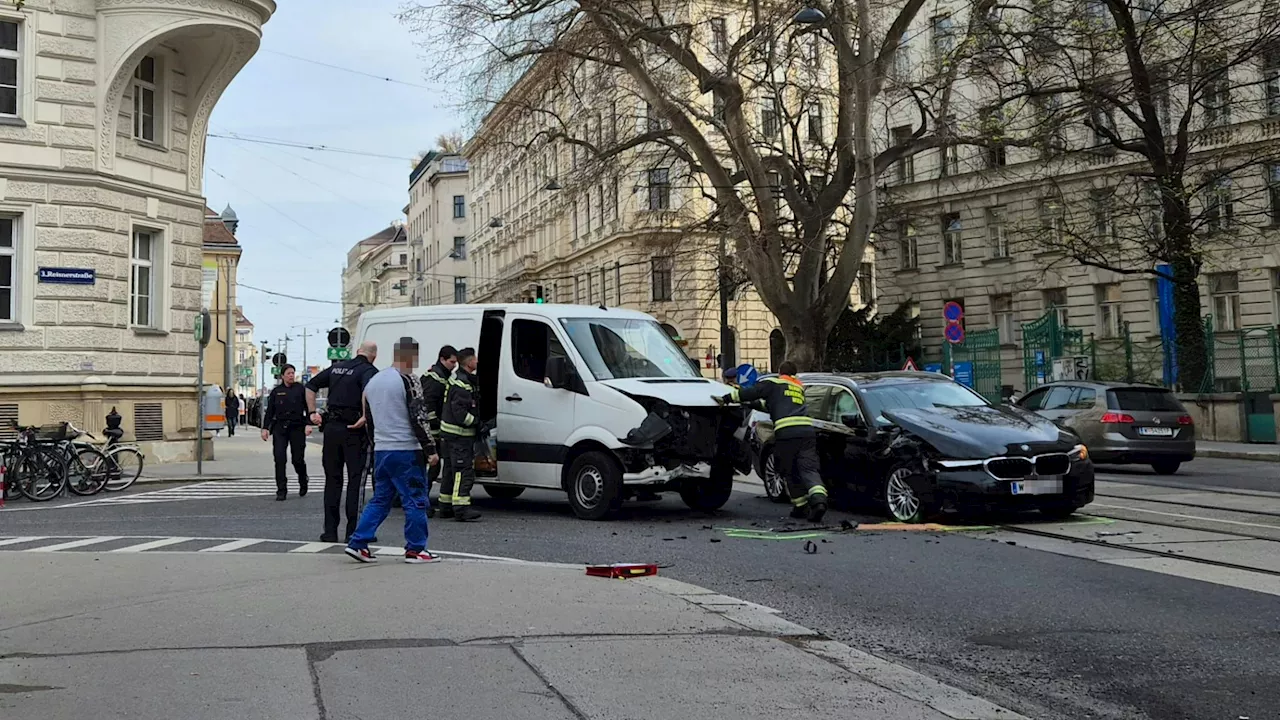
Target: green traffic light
{"x": 539, "y": 301}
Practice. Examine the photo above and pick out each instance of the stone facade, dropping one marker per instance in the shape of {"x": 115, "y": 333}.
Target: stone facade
{"x": 101, "y": 164}
{"x": 438, "y": 225}
{"x": 376, "y": 275}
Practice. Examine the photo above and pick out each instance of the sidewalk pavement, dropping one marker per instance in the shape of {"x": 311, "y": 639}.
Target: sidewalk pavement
{"x": 242, "y": 457}
{"x": 291, "y": 636}
{"x": 1238, "y": 451}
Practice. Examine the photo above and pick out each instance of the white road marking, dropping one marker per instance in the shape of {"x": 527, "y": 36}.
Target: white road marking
{"x": 233, "y": 545}
{"x": 75, "y": 544}
{"x": 142, "y": 547}
{"x": 1185, "y": 517}
{"x": 19, "y": 540}
{"x": 211, "y": 490}
{"x": 314, "y": 547}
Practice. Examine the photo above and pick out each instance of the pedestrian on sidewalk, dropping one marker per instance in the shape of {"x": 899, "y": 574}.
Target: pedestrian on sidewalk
{"x": 232, "y": 412}
{"x": 287, "y": 425}
{"x": 345, "y": 443}
{"x": 402, "y": 449}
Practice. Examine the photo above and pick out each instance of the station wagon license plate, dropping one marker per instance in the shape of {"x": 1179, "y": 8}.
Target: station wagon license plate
{"x": 1156, "y": 431}
{"x": 1043, "y": 486}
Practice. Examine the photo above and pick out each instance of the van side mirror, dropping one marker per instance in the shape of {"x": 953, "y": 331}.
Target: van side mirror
{"x": 561, "y": 373}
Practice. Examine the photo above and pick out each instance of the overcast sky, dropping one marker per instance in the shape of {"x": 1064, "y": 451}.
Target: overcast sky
{"x": 301, "y": 210}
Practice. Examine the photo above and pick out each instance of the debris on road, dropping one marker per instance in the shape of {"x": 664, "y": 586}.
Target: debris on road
{"x": 810, "y": 547}
{"x": 622, "y": 570}
{"x": 1118, "y": 533}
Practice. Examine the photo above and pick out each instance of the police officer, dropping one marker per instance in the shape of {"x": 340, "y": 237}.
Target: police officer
{"x": 286, "y": 423}
{"x": 795, "y": 442}
{"x": 344, "y": 436}
{"x": 458, "y": 425}
{"x": 434, "y": 384}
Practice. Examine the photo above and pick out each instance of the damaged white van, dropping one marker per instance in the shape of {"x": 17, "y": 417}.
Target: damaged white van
{"x": 597, "y": 402}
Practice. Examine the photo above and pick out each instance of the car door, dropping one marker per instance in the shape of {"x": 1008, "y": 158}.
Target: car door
{"x": 1057, "y": 403}
{"x": 534, "y": 419}
{"x": 1080, "y": 410}
{"x": 841, "y": 441}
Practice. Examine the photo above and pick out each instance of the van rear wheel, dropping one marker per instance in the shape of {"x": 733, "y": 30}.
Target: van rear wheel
{"x": 595, "y": 486}
{"x": 503, "y": 492}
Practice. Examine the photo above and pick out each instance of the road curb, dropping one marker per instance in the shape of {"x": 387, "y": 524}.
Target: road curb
{"x": 1256, "y": 456}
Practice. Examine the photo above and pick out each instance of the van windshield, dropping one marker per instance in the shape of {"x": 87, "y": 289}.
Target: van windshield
{"x": 616, "y": 348}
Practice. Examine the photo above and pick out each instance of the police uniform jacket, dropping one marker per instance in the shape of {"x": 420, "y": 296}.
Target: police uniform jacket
{"x": 286, "y": 408}
{"x": 346, "y": 381}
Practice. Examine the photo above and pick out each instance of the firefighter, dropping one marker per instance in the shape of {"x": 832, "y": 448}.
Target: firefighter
{"x": 345, "y": 442}
{"x": 795, "y": 442}
{"x": 458, "y": 426}
{"x": 434, "y": 384}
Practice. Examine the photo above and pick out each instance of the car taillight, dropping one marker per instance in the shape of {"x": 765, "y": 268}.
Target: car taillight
{"x": 1186, "y": 420}
{"x": 1116, "y": 418}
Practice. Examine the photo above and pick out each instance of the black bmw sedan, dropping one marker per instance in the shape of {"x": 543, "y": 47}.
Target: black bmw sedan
{"x": 920, "y": 444}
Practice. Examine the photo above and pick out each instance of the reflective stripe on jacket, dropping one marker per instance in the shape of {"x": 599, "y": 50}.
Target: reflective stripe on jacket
{"x": 784, "y": 399}
{"x": 457, "y": 415}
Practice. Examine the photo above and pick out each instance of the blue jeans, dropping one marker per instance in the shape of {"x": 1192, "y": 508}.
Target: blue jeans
{"x": 396, "y": 472}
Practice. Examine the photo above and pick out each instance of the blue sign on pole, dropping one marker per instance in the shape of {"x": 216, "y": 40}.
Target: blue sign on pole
{"x": 747, "y": 375}
{"x": 1168, "y": 333}
{"x": 67, "y": 276}
{"x": 1040, "y": 358}
{"x": 933, "y": 368}
{"x": 964, "y": 373}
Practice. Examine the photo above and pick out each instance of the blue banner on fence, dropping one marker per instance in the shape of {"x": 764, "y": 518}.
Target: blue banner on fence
{"x": 964, "y": 373}
{"x": 1168, "y": 333}
{"x": 933, "y": 368}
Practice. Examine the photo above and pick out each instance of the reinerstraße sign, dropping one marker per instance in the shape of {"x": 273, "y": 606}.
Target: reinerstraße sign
{"x": 68, "y": 276}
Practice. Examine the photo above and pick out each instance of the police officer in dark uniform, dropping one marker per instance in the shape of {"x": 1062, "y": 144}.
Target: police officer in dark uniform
{"x": 286, "y": 423}
{"x": 458, "y": 425}
{"x": 795, "y": 441}
{"x": 345, "y": 443}
{"x": 434, "y": 384}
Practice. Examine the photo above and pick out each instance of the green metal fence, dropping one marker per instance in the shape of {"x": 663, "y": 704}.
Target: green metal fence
{"x": 1246, "y": 360}
{"x": 981, "y": 350}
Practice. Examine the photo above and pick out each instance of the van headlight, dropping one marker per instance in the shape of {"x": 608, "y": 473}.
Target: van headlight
{"x": 1078, "y": 453}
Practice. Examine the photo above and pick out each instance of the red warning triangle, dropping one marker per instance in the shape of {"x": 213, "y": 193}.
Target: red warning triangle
{"x": 910, "y": 366}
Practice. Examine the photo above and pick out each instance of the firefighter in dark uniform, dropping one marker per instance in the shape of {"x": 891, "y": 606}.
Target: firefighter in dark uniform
{"x": 795, "y": 441}
{"x": 345, "y": 444}
{"x": 286, "y": 423}
{"x": 458, "y": 426}
{"x": 434, "y": 384}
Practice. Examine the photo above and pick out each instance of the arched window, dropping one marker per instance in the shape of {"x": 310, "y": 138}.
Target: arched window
{"x": 777, "y": 349}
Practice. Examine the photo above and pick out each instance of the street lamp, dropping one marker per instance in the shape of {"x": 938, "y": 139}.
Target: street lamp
{"x": 809, "y": 16}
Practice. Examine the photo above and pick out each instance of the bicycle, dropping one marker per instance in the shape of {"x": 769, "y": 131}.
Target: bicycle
{"x": 36, "y": 470}
{"x": 124, "y": 461}
{"x": 87, "y": 466}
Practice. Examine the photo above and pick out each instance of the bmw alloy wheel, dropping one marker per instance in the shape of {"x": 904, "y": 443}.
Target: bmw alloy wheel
{"x": 901, "y": 499}
{"x": 774, "y": 487}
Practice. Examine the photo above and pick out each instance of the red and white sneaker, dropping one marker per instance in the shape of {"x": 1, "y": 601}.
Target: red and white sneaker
{"x": 421, "y": 557}
{"x": 362, "y": 555}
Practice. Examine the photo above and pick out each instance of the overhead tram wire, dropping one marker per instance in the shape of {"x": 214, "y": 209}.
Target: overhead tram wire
{"x": 282, "y": 213}
{"x": 305, "y": 179}
{"x": 353, "y": 71}
{"x": 307, "y": 146}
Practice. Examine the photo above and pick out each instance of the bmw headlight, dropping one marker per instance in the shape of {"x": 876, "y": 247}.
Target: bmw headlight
{"x": 959, "y": 464}
{"x": 1078, "y": 453}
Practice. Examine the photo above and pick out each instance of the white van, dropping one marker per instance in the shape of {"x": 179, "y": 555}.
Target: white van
{"x": 599, "y": 403}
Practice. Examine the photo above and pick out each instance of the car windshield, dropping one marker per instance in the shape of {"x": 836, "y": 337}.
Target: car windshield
{"x": 918, "y": 395}
{"x": 617, "y": 348}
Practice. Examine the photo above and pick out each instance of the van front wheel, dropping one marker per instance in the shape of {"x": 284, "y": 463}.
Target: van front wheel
{"x": 595, "y": 486}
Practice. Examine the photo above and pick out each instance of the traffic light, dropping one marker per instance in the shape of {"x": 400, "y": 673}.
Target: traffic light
{"x": 539, "y": 299}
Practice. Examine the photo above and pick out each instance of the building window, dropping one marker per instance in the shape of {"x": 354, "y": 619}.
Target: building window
{"x": 909, "y": 246}
{"x": 459, "y": 248}
{"x": 952, "y": 249}
{"x": 1273, "y": 192}
{"x": 1275, "y": 290}
{"x": 769, "y": 118}
{"x": 717, "y": 107}
{"x": 719, "y": 36}
{"x": 1052, "y": 220}
{"x": 942, "y": 36}
{"x": 1217, "y": 95}
{"x": 459, "y": 207}
{"x": 904, "y": 169}
{"x": 145, "y": 125}
{"x": 652, "y": 120}
{"x": 1271, "y": 79}
{"x": 142, "y": 278}
{"x": 1104, "y": 129}
{"x": 866, "y": 283}
{"x": 1103, "y": 227}
{"x": 459, "y": 290}
{"x": 1224, "y": 292}
{"x": 1152, "y": 209}
{"x": 1110, "y": 315}
{"x": 1219, "y": 210}
{"x": 815, "y": 122}
{"x": 1055, "y": 301}
{"x": 949, "y": 154}
{"x": 997, "y": 238}
{"x": 659, "y": 189}
{"x": 8, "y": 269}
{"x": 404, "y": 259}
{"x": 9, "y": 57}
{"x": 1003, "y": 318}
{"x": 661, "y": 269}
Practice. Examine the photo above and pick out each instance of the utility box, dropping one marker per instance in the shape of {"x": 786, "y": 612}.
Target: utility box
{"x": 214, "y": 404}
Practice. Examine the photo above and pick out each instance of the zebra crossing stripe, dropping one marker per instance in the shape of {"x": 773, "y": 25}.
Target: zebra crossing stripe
{"x": 233, "y": 545}
{"x": 83, "y": 542}
{"x": 20, "y": 540}
{"x": 314, "y": 547}
{"x": 143, "y": 547}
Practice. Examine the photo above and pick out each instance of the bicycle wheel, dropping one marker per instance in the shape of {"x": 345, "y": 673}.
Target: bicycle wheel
{"x": 123, "y": 467}
{"x": 42, "y": 472}
{"x": 87, "y": 470}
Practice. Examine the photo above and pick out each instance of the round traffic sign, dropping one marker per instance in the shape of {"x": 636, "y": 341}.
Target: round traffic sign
{"x": 953, "y": 312}
{"x": 279, "y": 359}
{"x": 747, "y": 375}
{"x": 339, "y": 337}
{"x": 954, "y": 333}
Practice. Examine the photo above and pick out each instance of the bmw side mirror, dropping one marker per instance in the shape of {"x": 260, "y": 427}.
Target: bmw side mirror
{"x": 854, "y": 421}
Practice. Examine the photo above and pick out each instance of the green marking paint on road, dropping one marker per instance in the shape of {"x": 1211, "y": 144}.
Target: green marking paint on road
{"x": 746, "y": 534}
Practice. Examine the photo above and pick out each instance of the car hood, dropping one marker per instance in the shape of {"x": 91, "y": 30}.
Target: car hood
{"x": 976, "y": 432}
{"x": 681, "y": 392}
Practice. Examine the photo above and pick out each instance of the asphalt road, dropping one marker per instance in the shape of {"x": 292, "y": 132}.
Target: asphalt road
{"x": 1204, "y": 473}
{"x": 1051, "y": 636}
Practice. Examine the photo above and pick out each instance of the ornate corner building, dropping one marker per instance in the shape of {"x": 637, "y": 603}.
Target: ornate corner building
{"x": 104, "y": 109}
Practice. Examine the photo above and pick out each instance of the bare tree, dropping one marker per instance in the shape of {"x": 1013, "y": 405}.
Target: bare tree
{"x": 450, "y": 142}
{"x": 772, "y": 122}
{"x": 1156, "y": 121}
